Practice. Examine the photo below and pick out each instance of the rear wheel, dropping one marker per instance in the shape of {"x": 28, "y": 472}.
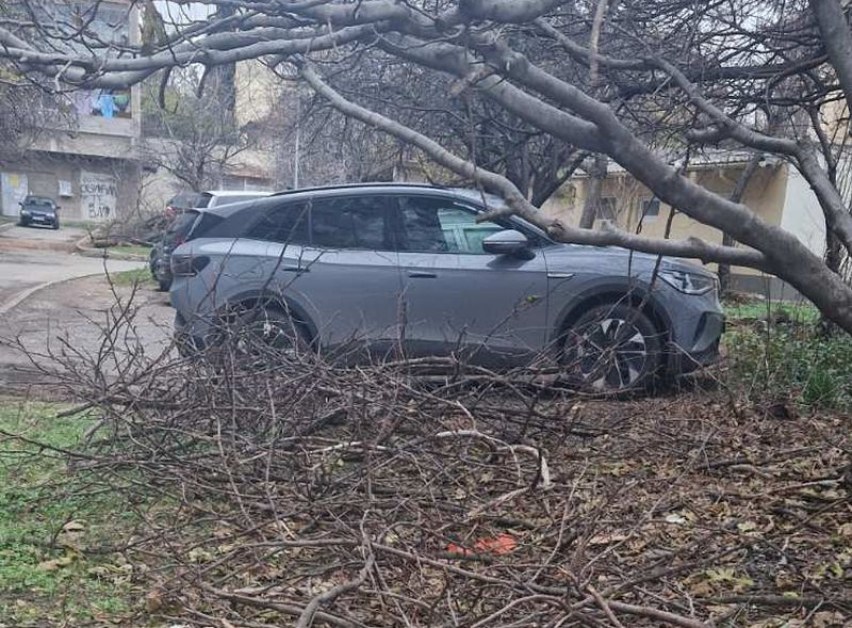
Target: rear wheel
{"x": 610, "y": 349}
{"x": 164, "y": 284}
{"x": 265, "y": 332}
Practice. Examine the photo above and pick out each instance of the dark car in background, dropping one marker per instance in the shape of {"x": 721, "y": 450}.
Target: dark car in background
{"x": 39, "y": 210}
{"x": 179, "y": 203}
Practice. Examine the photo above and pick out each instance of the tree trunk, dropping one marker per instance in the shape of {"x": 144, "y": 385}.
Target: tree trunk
{"x": 597, "y": 174}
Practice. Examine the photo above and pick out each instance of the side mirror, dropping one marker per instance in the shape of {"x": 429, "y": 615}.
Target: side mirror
{"x": 508, "y": 242}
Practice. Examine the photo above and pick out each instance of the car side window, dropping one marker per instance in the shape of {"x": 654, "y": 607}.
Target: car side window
{"x": 286, "y": 223}
{"x": 359, "y": 222}
{"x": 441, "y": 226}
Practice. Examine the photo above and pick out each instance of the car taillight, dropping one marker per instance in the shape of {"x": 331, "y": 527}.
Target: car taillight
{"x": 188, "y": 265}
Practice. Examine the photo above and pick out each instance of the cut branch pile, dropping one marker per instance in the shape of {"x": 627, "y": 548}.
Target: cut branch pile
{"x": 282, "y": 490}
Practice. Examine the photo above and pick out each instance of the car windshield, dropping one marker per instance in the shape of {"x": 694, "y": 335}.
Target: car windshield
{"x": 39, "y": 203}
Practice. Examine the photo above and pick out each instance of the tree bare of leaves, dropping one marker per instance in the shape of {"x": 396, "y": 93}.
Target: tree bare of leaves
{"x": 667, "y": 76}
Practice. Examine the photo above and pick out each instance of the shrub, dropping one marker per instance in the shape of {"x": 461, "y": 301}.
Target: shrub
{"x": 794, "y": 362}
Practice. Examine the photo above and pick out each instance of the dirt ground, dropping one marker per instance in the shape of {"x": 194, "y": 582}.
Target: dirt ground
{"x": 68, "y": 317}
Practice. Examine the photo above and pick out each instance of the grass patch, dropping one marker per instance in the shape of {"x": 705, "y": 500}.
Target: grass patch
{"x": 130, "y": 249}
{"x": 47, "y": 576}
{"x": 768, "y": 310}
{"x": 791, "y": 362}
{"x": 140, "y": 276}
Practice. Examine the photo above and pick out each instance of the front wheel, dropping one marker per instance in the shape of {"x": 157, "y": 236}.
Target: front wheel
{"x": 611, "y": 349}
{"x": 56, "y": 225}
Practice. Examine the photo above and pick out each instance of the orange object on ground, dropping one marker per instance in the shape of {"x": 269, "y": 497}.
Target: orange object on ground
{"x": 499, "y": 545}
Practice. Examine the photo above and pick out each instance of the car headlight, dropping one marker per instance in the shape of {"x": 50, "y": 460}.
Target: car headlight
{"x": 25, "y": 212}
{"x": 688, "y": 283}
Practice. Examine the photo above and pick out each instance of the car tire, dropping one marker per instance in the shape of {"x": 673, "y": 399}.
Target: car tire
{"x": 611, "y": 349}
{"x": 56, "y": 225}
{"x": 163, "y": 285}
{"x": 266, "y": 331}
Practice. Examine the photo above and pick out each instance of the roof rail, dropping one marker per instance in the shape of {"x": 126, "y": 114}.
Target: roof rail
{"x": 346, "y": 186}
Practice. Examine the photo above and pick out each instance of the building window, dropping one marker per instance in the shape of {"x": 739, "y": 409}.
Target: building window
{"x": 651, "y": 208}
{"x": 607, "y": 209}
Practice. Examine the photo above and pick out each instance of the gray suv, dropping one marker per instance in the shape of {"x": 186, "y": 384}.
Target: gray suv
{"x": 410, "y": 270}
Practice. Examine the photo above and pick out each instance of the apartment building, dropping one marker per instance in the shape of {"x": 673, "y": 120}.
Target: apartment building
{"x": 87, "y": 157}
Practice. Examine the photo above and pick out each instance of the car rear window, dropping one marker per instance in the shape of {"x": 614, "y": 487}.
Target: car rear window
{"x": 205, "y": 224}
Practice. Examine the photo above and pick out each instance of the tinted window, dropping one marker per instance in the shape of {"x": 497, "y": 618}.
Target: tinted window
{"x": 351, "y": 223}
{"x": 204, "y": 225}
{"x": 284, "y": 223}
{"x": 39, "y": 202}
{"x": 436, "y": 225}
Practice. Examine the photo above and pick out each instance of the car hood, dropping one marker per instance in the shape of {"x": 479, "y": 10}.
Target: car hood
{"x": 614, "y": 260}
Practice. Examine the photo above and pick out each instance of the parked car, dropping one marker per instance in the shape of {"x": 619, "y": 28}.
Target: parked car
{"x": 39, "y": 210}
{"x": 319, "y": 268}
{"x": 217, "y": 198}
{"x": 181, "y": 202}
{"x": 182, "y": 223}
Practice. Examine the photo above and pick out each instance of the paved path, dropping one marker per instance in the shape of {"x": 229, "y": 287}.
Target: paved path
{"x": 68, "y": 317}
{"x": 32, "y": 257}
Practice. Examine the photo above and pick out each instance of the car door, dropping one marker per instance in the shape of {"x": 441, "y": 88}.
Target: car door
{"x": 350, "y": 280}
{"x": 333, "y": 259}
{"x": 459, "y": 297}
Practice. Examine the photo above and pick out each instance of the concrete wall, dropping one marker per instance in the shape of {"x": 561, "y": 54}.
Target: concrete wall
{"x": 802, "y": 215}
{"x": 258, "y": 90}
{"x": 249, "y": 170}
{"x": 766, "y": 195}
{"x": 87, "y": 189}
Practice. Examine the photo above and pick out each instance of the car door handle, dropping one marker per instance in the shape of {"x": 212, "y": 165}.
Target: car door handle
{"x": 295, "y": 269}
{"x": 421, "y": 274}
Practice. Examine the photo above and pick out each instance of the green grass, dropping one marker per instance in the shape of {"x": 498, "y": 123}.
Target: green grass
{"x": 130, "y": 249}
{"x": 47, "y": 522}
{"x": 791, "y": 362}
{"x": 141, "y": 276}
{"x": 766, "y": 310}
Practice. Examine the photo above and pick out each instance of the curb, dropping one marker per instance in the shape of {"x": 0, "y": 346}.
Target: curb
{"x": 90, "y": 251}
{"x": 22, "y": 296}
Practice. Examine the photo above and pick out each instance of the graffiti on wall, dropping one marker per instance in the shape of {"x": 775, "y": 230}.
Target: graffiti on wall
{"x": 98, "y": 194}
{"x": 13, "y": 189}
